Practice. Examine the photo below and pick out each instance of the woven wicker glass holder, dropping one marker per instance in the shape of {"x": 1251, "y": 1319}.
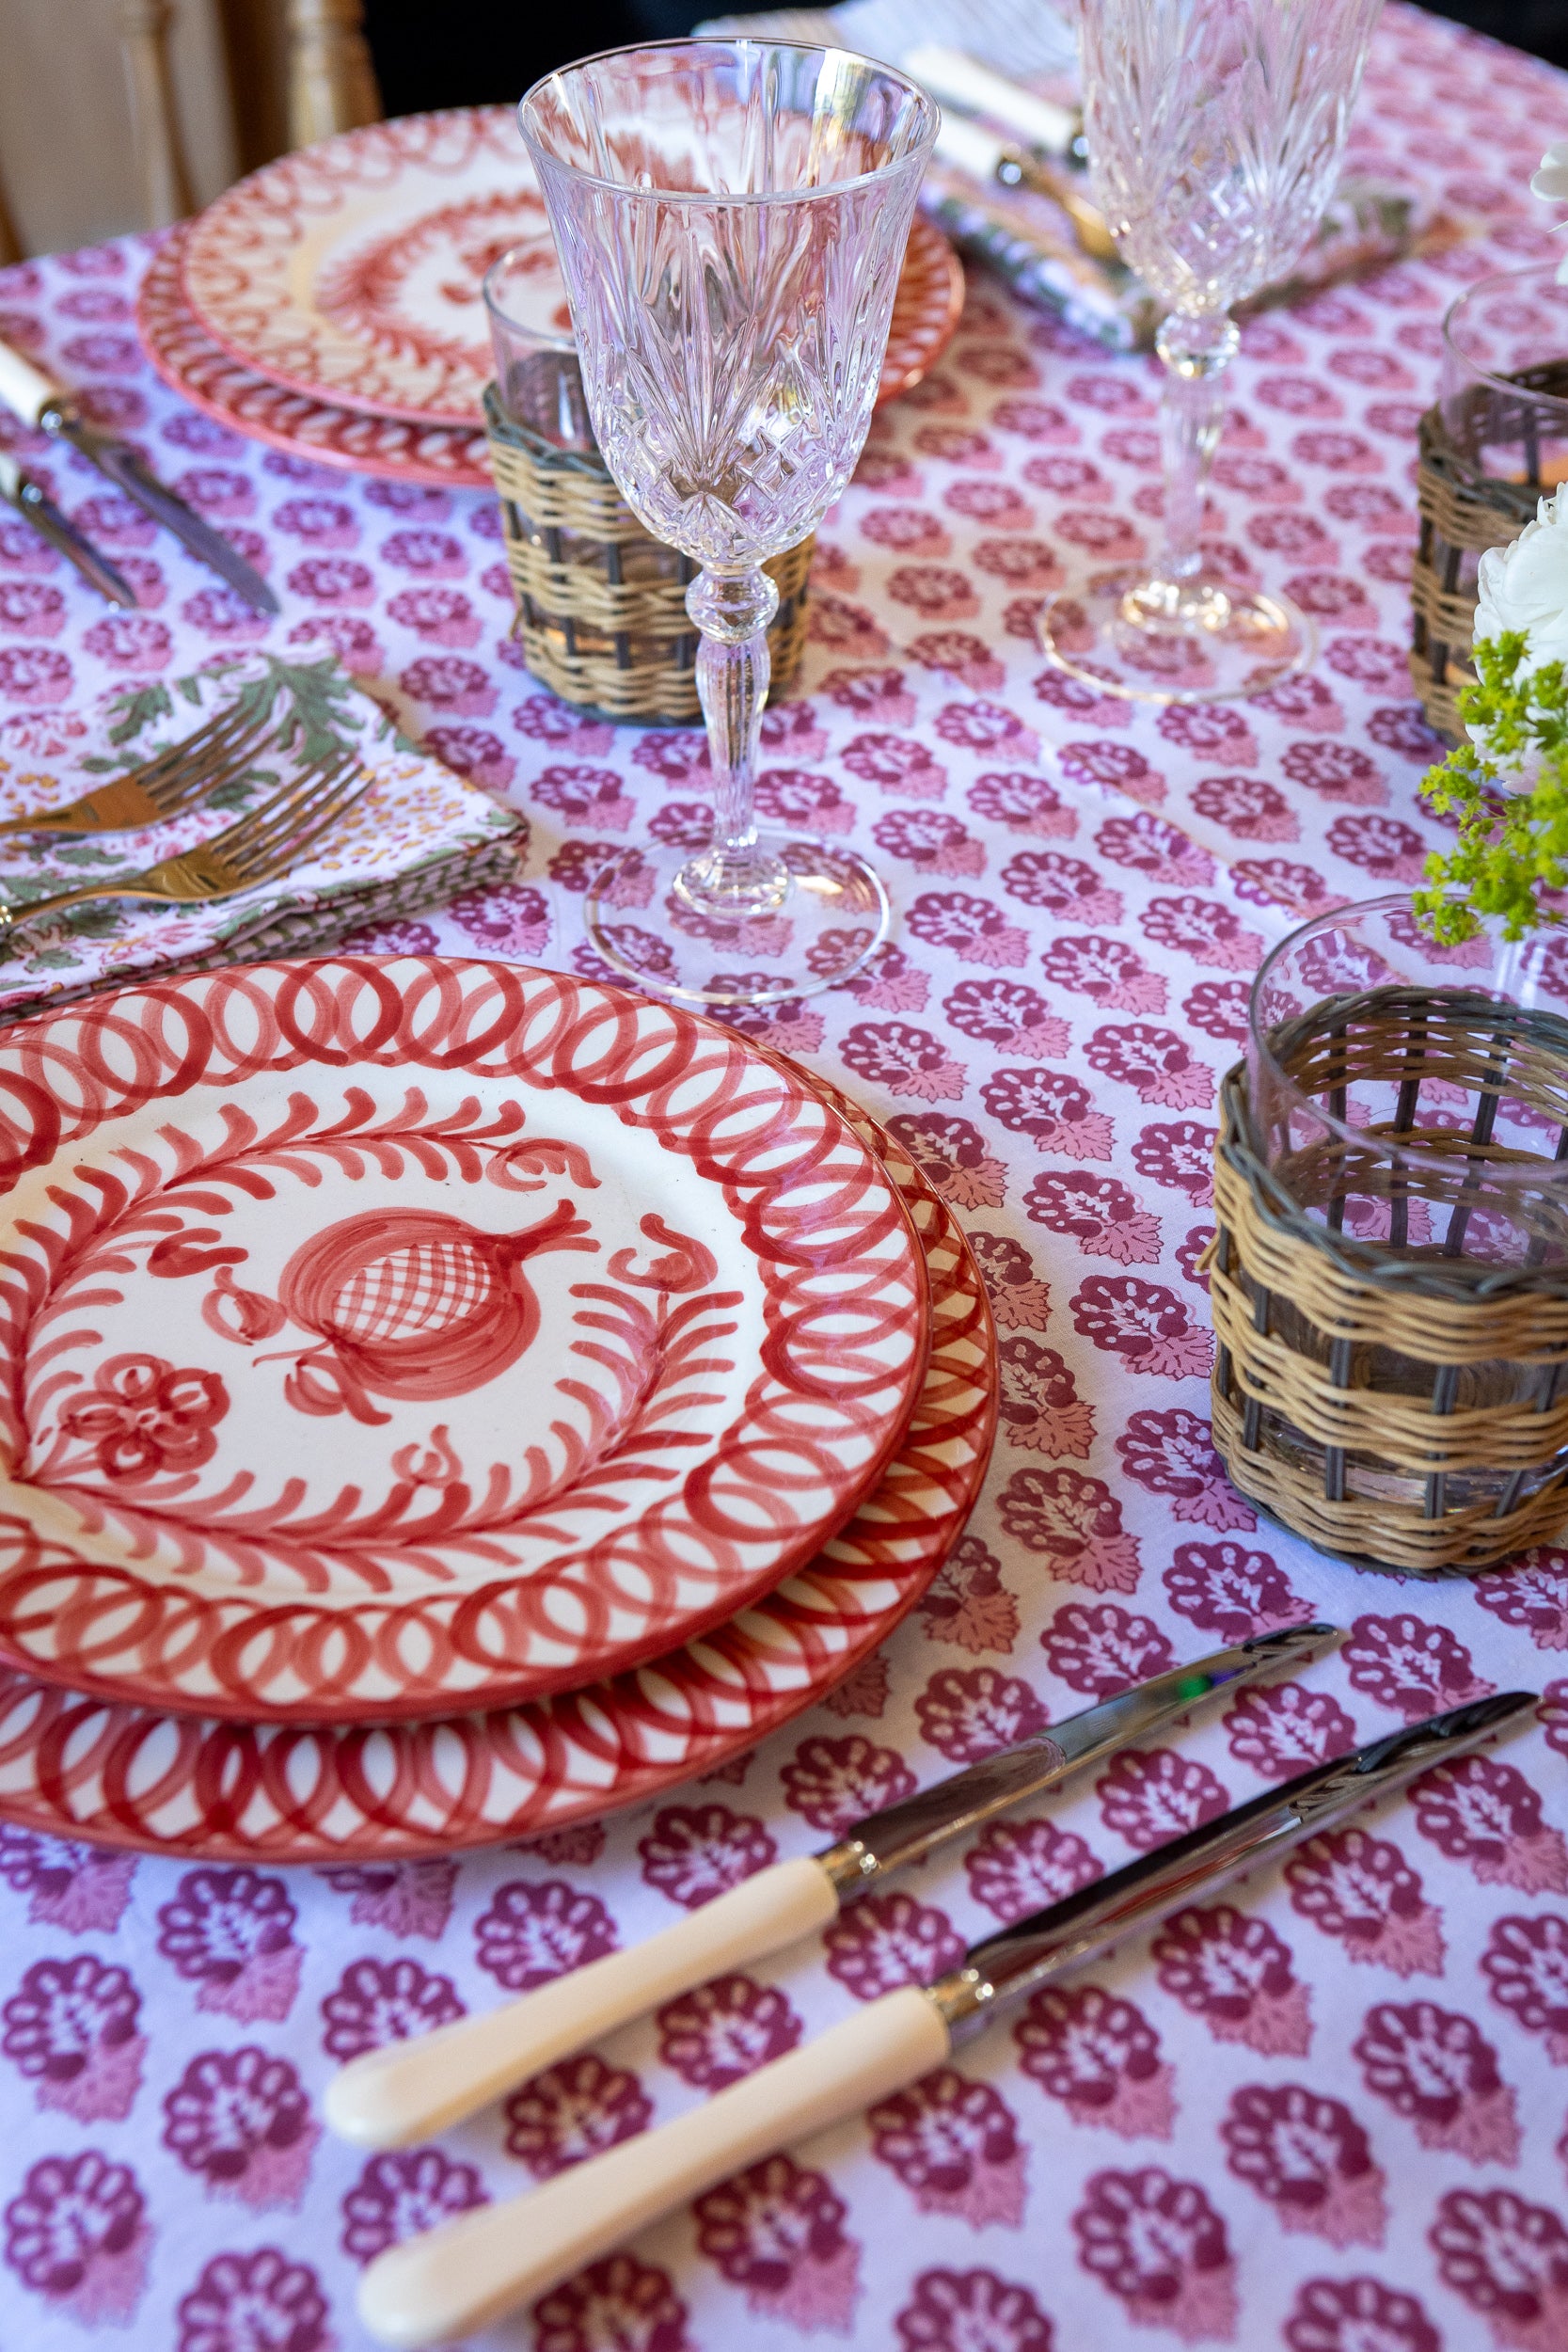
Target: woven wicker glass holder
{"x": 601, "y": 606}
{"x": 1463, "y": 511}
{"x": 1399, "y": 1407}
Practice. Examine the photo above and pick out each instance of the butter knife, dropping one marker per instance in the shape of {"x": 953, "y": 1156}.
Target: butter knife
{"x": 39, "y": 402}
{"x": 33, "y": 502}
{"x": 470, "y": 2272}
{"x": 407, "y": 2089}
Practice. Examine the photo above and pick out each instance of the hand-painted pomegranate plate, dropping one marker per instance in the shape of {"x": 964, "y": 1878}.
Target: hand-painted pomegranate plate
{"x": 127, "y": 1776}
{"x": 386, "y": 1338}
{"x": 395, "y": 449}
{"x": 351, "y": 273}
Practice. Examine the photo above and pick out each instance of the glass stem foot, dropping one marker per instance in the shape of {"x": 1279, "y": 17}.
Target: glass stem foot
{"x": 1186, "y": 629}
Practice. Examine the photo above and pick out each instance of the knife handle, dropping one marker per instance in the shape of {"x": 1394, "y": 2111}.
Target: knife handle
{"x": 409, "y": 2090}
{"x": 24, "y": 387}
{"x": 471, "y": 2271}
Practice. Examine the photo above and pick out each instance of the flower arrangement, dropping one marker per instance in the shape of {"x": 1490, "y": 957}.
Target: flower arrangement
{"x": 1507, "y": 782}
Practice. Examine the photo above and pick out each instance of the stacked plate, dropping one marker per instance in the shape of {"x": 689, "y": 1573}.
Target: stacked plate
{"x": 444, "y": 1400}
{"x": 331, "y": 303}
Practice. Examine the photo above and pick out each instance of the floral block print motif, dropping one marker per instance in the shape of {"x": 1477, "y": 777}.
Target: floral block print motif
{"x": 70, "y": 2029}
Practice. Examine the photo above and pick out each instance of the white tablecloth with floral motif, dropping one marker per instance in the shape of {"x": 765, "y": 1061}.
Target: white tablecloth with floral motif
{"x": 1328, "y": 2113}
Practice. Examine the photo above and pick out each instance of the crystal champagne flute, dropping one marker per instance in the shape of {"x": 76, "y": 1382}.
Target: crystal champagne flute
{"x": 731, "y": 218}
{"x": 1215, "y": 131}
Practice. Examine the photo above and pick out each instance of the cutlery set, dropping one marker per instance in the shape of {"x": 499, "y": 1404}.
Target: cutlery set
{"x": 470, "y": 2271}
{"x": 40, "y": 403}
{"x": 258, "y": 848}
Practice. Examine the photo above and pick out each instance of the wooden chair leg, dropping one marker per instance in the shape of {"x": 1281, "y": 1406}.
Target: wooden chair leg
{"x": 165, "y": 180}
{"x": 10, "y": 244}
{"x": 331, "y": 80}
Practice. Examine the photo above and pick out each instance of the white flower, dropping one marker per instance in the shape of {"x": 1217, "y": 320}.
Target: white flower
{"x": 1551, "y": 181}
{"x": 1523, "y": 587}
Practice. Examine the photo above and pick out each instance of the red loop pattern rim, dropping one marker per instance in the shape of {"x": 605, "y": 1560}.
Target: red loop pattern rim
{"x": 829, "y": 1414}
{"x": 127, "y": 1777}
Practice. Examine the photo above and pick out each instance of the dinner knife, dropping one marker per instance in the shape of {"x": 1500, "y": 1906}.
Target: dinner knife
{"x": 33, "y": 502}
{"x": 407, "y": 2089}
{"x": 39, "y": 401}
{"x": 472, "y": 2271}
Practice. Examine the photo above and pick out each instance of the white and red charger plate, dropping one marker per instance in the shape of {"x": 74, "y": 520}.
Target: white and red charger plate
{"x": 133, "y": 1778}
{"x": 346, "y": 279}
{"x": 391, "y": 1338}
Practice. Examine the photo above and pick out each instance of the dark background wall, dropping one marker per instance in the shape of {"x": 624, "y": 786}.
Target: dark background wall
{"x": 455, "y": 52}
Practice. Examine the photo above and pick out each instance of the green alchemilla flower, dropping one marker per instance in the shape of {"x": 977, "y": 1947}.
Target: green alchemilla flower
{"x": 1507, "y": 782}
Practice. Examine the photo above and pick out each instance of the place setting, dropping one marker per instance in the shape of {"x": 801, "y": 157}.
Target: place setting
{"x": 783, "y": 1276}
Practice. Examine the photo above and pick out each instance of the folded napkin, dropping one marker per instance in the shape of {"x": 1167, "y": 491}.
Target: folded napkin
{"x": 1367, "y": 224}
{"x": 417, "y": 838}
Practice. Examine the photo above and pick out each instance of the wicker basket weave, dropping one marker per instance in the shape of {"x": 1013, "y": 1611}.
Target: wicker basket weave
{"x": 1463, "y": 511}
{"x": 1395, "y": 1404}
{"x": 601, "y": 607}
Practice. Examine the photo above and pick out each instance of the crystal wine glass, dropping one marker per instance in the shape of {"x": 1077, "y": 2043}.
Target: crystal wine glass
{"x": 731, "y": 218}
{"x": 1215, "y": 131}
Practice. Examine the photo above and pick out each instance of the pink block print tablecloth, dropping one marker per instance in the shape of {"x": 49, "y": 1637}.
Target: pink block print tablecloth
{"x": 1330, "y": 2114}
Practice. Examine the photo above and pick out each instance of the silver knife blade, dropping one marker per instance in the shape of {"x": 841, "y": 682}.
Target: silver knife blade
{"x": 909, "y": 1831}
{"x": 124, "y": 469}
{"x": 34, "y": 503}
{"x": 1007, "y": 1968}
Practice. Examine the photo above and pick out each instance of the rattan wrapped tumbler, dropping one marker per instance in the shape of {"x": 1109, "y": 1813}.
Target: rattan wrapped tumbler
{"x": 601, "y": 606}
{"x": 1495, "y": 442}
{"x": 1390, "y": 1275}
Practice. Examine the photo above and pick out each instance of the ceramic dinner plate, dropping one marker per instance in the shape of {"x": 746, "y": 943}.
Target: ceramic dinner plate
{"x": 351, "y": 273}
{"x": 390, "y": 1337}
{"x": 126, "y": 1777}
{"x": 395, "y": 449}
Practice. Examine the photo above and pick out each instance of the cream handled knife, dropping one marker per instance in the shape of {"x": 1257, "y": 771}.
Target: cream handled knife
{"x": 472, "y": 2271}
{"x": 403, "y": 2092}
{"x": 39, "y": 401}
{"x": 958, "y": 79}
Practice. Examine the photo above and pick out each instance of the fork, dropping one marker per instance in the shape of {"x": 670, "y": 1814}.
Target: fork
{"x": 175, "y": 780}
{"x": 257, "y": 850}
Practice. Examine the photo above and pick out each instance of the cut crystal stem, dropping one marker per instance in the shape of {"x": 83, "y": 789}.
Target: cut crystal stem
{"x": 733, "y": 876}
{"x": 1197, "y": 349}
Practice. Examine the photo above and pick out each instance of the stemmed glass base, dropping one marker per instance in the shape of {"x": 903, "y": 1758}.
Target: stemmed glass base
{"x": 744, "y": 917}
{"x": 1203, "y": 638}
{"x": 813, "y": 917}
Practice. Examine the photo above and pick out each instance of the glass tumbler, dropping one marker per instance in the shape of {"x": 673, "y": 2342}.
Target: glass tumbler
{"x": 538, "y": 380}
{"x": 1410, "y": 1103}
